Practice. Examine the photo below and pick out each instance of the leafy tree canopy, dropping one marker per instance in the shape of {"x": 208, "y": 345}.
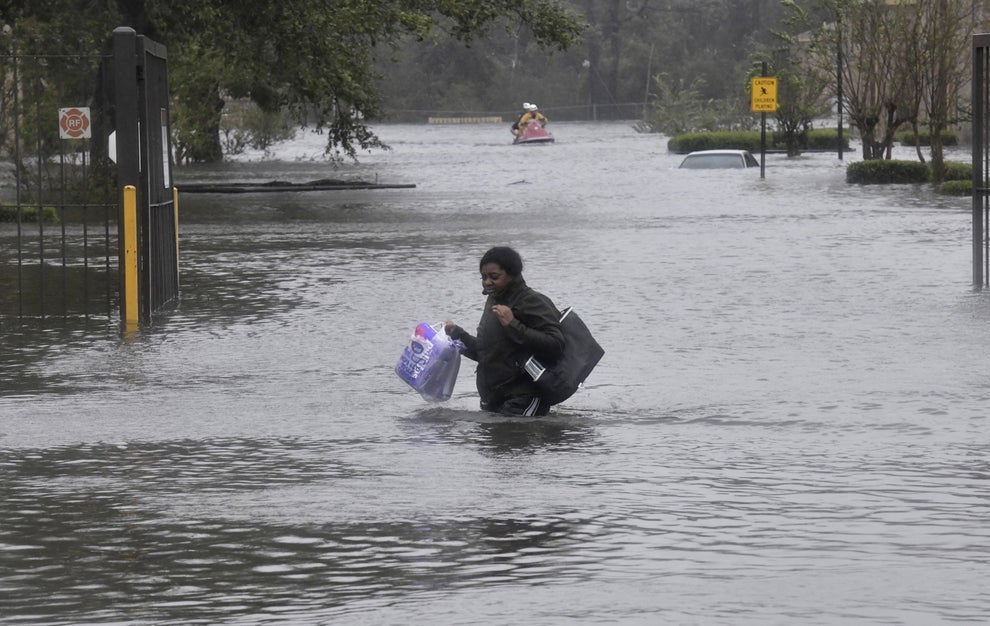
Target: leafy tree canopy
{"x": 314, "y": 57}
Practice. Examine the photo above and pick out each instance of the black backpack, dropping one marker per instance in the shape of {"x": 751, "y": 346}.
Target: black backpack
{"x": 559, "y": 381}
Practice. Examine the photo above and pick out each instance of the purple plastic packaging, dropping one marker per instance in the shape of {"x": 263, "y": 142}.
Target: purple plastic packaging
{"x": 430, "y": 362}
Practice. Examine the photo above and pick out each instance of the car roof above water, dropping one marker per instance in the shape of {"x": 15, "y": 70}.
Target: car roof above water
{"x": 719, "y": 159}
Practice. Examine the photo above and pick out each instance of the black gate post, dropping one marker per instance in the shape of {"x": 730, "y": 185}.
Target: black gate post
{"x": 144, "y": 165}
{"x": 158, "y": 210}
{"x": 127, "y": 146}
{"x": 981, "y": 143}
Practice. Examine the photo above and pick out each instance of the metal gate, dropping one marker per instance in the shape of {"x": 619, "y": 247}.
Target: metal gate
{"x": 981, "y": 154}
{"x": 64, "y": 119}
{"x": 58, "y": 204}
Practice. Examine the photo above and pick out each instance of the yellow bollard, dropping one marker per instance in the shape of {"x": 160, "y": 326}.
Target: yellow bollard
{"x": 129, "y": 267}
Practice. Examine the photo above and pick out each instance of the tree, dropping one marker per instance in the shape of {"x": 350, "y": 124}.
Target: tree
{"x": 313, "y": 57}
{"x": 610, "y": 74}
{"x": 870, "y": 39}
{"x": 801, "y": 99}
{"x": 900, "y": 60}
{"x": 44, "y": 81}
{"x": 802, "y": 91}
{"x": 944, "y": 69}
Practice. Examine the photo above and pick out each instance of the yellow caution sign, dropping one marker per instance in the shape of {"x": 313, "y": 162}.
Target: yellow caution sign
{"x": 764, "y": 94}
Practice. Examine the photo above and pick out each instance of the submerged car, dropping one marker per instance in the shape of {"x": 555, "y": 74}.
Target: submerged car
{"x": 719, "y": 159}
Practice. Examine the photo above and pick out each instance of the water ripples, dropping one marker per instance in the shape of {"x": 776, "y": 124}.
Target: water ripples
{"x": 96, "y": 525}
{"x": 788, "y": 425}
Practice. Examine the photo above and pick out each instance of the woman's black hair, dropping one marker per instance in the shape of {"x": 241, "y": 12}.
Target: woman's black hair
{"x": 506, "y": 258}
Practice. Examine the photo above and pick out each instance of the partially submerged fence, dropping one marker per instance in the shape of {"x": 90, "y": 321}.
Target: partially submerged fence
{"x": 63, "y": 121}
{"x": 58, "y": 213}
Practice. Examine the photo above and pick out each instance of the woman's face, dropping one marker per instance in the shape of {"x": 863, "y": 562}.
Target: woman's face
{"x": 494, "y": 280}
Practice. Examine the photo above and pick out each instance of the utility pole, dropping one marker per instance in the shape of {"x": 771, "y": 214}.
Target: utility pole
{"x": 838, "y": 74}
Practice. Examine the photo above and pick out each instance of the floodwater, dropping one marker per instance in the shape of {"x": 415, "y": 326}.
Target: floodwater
{"x": 789, "y": 425}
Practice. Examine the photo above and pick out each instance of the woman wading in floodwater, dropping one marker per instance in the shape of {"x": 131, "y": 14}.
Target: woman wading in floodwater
{"x": 517, "y": 322}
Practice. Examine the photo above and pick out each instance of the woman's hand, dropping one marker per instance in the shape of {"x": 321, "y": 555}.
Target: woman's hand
{"x": 504, "y": 314}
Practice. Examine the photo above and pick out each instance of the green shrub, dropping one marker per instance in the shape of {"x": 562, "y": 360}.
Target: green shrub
{"x": 28, "y": 214}
{"x": 817, "y": 139}
{"x": 956, "y": 188}
{"x": 956, "y": 170}
{"x": 244, "y": 124}
{"x": 827, "y": 139}
{"x": 718, "y": 140}
{"x": 949, "y": 138}
{"x": 882, "y": 171}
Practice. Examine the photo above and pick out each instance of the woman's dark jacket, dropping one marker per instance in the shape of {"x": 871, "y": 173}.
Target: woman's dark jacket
{"x": 501, "y": 351}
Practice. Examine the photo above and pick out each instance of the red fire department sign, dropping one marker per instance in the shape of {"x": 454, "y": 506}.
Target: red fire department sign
{"x": 73, "y": 123}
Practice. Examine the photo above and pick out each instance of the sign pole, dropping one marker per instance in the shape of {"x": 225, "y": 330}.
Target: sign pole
{"x": 763, "y": 134}
{"x": 763, "y": 94}
{"x": 763, "y": 145}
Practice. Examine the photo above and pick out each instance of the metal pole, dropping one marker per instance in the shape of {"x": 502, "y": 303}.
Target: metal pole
{"x": 979, "y": 137}
{"x": 763, "y": 135}
{"x": 649, "y": 69}
{"x": 838, "y": 75}
{"x": 17, "y": 180}
{"x": 763, "y": 145}
{"x": 39, "y": 146}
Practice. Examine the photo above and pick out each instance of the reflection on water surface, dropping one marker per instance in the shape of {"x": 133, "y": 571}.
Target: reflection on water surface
{"x": 789, "y": 424}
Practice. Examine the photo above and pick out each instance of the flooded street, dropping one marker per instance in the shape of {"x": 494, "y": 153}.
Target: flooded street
{"x": 789, "y": 426}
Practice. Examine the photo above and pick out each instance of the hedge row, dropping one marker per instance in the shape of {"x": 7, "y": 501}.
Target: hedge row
{"x": 958, "y": 179}
{"x": 958, "y": 175}
{"x": 884, "y": 171}
{"x": 28, "y": 214}
{"x": 819, "y": 139}
{"x": 956, "y": 188}
{"x": 956, "y": 170}
{"x": 949, "y": 138}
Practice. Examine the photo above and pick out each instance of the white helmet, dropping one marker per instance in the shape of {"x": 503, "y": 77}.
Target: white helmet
{"x": 526, "y": 106}
{"x": 530, "y": 107}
